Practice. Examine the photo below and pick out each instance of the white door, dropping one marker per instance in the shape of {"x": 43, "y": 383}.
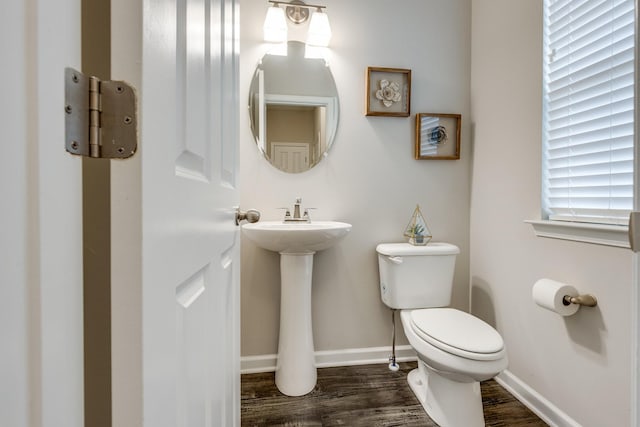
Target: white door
{"x": 290, "y": 156}
{"x": 40, "y": 239}
{"x": 175, "y": 284}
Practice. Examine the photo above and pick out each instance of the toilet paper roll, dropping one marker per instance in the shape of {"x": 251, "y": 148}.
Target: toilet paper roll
{"x": 548, "y": 294}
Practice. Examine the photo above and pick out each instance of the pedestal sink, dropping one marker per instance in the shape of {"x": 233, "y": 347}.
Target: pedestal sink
{"x": 296, "y": 242}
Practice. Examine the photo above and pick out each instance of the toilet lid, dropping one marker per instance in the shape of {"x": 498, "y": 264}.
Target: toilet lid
{"x": 458, "y": 333}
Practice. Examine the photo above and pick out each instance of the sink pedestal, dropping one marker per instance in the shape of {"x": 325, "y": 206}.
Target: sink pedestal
{"x": 296, "y": 243}
{"x": 296, "y": 368}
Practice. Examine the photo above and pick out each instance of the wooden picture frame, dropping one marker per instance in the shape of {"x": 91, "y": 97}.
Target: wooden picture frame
{"x": 388, "y": 92}
{"x": 437, "y": 136}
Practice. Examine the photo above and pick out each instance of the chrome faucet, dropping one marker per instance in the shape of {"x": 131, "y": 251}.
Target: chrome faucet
{"x": 296, "y": 213}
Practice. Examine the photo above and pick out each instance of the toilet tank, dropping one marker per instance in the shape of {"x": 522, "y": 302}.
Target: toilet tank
{"x": 416, "y": 276}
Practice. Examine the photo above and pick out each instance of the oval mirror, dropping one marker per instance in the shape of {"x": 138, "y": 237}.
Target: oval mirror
{"x": 294, "y": 108}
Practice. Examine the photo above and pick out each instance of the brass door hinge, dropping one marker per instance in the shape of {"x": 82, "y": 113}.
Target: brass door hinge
{"x": 100, "y": 117}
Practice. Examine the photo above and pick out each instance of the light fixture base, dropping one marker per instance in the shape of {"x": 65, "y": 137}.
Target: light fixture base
{"x": 297, "y": 12}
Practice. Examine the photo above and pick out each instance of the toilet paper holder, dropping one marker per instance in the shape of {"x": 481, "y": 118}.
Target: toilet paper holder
{"x": 587, "y": 300}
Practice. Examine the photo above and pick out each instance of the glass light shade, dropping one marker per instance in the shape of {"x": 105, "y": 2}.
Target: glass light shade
{"x": 275, "y": 25}
{"x": 319, "y": 30}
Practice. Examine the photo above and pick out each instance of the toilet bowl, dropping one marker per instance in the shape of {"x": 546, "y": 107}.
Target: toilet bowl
{"x": 451, "y": 364}
{"x": 455, "y": 349}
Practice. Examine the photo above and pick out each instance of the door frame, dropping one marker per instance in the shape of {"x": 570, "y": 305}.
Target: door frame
{"x": 126, "y": 242}
{"x": 330, "y": 104}
{"x": 41, "y": 242}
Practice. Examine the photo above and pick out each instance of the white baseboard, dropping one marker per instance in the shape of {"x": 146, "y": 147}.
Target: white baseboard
{"x": 332, "y": 358}
{"x": 547, "y": 411}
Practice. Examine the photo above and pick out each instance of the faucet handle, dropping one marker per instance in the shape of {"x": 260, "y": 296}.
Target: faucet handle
{"x": 306, "y": 213}
{"x": 287, "y": 212}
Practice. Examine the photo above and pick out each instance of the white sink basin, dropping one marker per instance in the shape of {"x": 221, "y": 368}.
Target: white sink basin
{"x": 293, "y": 237}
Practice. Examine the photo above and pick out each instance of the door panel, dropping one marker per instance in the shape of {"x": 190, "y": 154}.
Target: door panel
{"x": 189, "y": 297}
{"x": 192, "y": 346}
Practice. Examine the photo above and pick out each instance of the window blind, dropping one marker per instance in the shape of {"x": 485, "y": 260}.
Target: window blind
{"x": 588, "y": 105}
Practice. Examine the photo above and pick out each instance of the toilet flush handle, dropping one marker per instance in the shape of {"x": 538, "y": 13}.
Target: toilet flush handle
{"x": 395, "y": 259}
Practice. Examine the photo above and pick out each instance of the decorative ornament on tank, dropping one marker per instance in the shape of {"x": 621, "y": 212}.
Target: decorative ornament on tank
{"x": 417, "y": 229}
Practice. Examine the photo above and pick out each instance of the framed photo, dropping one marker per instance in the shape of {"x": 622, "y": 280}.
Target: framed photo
{"x": 388, "y": 92}
{"x": 437, "y": 136}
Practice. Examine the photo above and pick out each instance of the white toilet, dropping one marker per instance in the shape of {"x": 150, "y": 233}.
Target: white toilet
{"x": 455, "y": 349}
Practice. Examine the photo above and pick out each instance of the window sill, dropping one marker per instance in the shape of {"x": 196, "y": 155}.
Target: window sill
{"x": 599, "y": 234}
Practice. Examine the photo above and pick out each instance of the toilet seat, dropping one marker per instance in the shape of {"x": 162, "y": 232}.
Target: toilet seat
{"x": 458, "y": 333}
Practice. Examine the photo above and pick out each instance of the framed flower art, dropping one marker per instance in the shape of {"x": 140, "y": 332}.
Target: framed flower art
{"x": 388, "y": 92}
{"x": 437, "y": 136}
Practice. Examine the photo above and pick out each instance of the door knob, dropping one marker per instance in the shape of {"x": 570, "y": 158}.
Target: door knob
{"x": 251, "y": 215}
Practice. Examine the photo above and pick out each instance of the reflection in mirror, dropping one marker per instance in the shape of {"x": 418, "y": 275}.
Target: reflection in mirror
{"x": 293, "y": 104}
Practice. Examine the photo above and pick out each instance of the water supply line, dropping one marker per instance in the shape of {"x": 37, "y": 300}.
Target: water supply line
{"x": 393, "y": 366}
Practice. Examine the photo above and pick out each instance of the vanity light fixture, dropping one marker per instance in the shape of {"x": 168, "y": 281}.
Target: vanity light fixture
{"x": 298, "y": 12}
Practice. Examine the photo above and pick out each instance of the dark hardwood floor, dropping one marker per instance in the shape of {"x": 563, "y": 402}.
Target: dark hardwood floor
{"x": 367, "y": 395}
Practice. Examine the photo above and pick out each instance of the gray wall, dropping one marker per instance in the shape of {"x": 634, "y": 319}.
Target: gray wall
{"x": 581, "y": 364}
{"x": 370, "y": 178}
{"x": 484, "y": 58}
